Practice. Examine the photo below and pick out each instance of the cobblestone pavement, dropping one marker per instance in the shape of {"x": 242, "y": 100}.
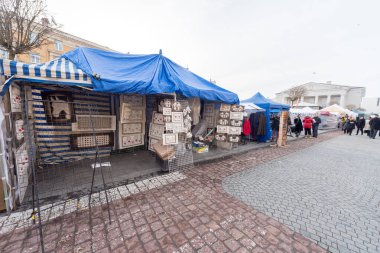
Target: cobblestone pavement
{"x": 193, "y": 214}
{"x": 329, "y": 192}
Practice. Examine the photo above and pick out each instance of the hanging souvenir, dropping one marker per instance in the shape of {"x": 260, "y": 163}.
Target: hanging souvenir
{"x": 224, "y": 115}
{"x": 223, "y": 122}
{"x": 236, "y": 123}
{"x": 221, "y": 137}
{"x": 225, "y": 108}
{"x": 158, "y": 118}
{"x": 237, "y": 108}
{"x": 176, "y": 106}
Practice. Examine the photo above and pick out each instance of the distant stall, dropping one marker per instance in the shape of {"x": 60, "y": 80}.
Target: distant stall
{"x": 270, "y": 107}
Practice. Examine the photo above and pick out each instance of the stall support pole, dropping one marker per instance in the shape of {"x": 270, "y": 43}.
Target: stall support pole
{"x": 33, "y": 167}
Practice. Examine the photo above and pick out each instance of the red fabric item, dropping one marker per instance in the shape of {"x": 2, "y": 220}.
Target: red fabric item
{"x": 307, "y": 122}
{"x": 246, "y": 127}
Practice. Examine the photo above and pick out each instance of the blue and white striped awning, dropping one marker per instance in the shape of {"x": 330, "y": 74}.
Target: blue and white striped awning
{"x": 58, "y": 71}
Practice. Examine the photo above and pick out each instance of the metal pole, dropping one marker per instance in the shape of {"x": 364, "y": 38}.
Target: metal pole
{"x": 32, "y": 166}
{"x": 97, "y": 160}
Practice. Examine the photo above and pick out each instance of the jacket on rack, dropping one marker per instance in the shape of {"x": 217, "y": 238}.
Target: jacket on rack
{"x": 246, "y": 127}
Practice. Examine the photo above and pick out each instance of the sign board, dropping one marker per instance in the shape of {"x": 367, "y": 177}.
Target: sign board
{"x": 281, "y": 141}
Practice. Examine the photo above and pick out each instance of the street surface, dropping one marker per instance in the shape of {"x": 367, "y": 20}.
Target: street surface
{"x": 186, "y": 211}
{"x": 329, "y": 192}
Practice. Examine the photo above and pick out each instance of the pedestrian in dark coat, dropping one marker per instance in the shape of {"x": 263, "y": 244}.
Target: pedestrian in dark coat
{"x": 317, "y": 121}
{"x": 275, "y": 127}
{"x": 351, "y": 125}
{"x": 298, "y": 125}
{"x": 360, "y": 124}
{"x": 375, "y": 126}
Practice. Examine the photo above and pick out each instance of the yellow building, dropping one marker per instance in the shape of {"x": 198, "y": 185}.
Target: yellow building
{"x": 58, "y": 43}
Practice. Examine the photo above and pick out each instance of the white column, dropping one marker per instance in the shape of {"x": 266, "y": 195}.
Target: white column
{"x": 343, "y": 100}
{"x": 328, "y": 100}
{"x": 316, "y": 99}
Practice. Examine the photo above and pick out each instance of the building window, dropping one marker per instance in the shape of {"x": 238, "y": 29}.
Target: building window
{"x": 33, "y": 37}
{"x": 309, "y": 99}
{"x": 58, "y": 45}
{"x": 335, "y": 99}
{"x": 322, "y": 101}
{"x": 35, "y": 58}
{"x": 4, "y": 54}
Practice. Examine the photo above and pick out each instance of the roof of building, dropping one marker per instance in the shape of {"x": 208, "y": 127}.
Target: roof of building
{"x": 326, "y": 84}
{"x": 80, "y": 40}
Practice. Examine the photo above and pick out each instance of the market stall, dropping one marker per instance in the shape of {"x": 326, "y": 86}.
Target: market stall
{"x": 270, "y": 107}
{"x": 91, "y": 106}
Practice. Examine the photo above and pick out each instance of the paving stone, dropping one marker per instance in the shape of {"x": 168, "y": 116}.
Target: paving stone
{"x": 318, "y": 194}
{"x": 187, "y": 211}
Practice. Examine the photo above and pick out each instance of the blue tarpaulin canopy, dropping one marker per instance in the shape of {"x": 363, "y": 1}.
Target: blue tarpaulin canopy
{"x": 112, "y": 72}
{"x": 144, "y": 74}
{"x": 259, "y": 100}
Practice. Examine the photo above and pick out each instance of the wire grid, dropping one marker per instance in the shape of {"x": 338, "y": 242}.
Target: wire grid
{"x": 63, "y": 178}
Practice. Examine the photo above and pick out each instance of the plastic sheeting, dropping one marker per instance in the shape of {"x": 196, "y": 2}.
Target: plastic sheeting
{"x": 144, "y": 74}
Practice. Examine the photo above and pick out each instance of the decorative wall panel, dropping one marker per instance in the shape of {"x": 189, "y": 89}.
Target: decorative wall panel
{"x": 132, "y": 128}
{"x": 94, "y": 122}
{"x": 156, "y": 130}
{"x": 90, "y": 140}
{"x": 170, "y": 139}
{"x": 132, "y": 140}
{"x": 129, "y": 114}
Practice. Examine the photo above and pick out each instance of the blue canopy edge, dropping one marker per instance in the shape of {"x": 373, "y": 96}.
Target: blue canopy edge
{"x": 144, "y": 74}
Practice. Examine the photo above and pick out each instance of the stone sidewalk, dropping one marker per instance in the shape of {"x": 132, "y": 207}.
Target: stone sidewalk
{"x": 193, "y": 214}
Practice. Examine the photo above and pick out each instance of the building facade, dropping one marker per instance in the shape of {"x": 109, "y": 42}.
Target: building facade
{"x": 371, "y": 105}
{"x": 57, "y": 44}
{"x": 326, "y": 94}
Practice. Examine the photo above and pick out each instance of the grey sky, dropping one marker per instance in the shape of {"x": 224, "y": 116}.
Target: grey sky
{"x": 245, "y": 45}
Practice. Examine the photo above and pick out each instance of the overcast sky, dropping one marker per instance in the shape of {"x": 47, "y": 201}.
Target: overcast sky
{"x": 244, "y": 45}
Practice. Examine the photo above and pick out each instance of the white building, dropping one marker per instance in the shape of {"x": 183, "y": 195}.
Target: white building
{"x": 325, "y": 94}
{"x": 371, "y": 105}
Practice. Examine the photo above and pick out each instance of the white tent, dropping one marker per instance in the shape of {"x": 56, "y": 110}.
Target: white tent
{"x": 304, "y": 111}
{"x": 251, "y": 106}
{"x": 305, "y": 104}
{"x": 340, "y": 110}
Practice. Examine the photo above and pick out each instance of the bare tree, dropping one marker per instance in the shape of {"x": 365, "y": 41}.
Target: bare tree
{"x": 295, "y": 93}
{"x": 24, "y": 25}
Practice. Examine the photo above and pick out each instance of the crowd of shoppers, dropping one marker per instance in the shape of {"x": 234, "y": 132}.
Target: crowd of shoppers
{"x": 310, "y": 125}
{"x": 349, "y": 123}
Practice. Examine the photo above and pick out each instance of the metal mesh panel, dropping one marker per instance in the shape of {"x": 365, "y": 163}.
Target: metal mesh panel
{"x": 57, "y": 178}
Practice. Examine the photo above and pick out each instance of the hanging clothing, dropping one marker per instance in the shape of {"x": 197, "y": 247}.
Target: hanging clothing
{"x": 246, "y": 127}
{"x": 262, "y": 124}
{"x": 253, "y": 122}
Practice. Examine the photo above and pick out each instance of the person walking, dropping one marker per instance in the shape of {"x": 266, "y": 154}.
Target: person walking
{"x": 360, "y": 124}
{"x": 342, "y": 122}
{"x": 375, "y": 126}
{"x": 371, "y": 125}
{"x": 298, "y": 127}
{"x": 307, "y": 125}
{"x": 345, "y": 125}
{"x": 350, "y": 125}
{"x": 275, "y": 127}
{"x": 317, "y": 121}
